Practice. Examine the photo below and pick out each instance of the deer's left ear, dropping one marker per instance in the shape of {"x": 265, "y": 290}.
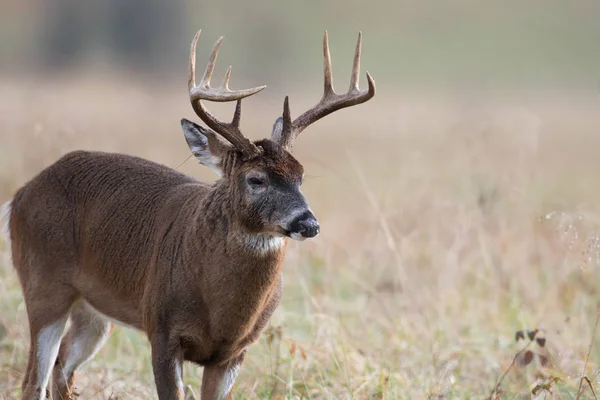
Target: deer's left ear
{"x": 277, "y": 131}
{"x": 279, "y": 137}
{"x": 205, "y": 145}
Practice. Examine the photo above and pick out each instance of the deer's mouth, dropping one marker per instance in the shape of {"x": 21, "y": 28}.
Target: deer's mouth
{"x": 297, "y": 236}
{"x": 283, "y": 232}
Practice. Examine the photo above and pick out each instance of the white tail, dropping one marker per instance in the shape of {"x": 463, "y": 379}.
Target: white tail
{"x": 5, "y": 216}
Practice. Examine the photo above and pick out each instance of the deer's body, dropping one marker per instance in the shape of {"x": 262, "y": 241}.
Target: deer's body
{"x": 100, "y": 237}
{"x": 186, "y": 224}
{"x": 176, "y": 266}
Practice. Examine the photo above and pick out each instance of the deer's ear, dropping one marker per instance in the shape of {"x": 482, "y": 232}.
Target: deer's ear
{"x": 277, "y": 131}
{"x": 205, "y": 145}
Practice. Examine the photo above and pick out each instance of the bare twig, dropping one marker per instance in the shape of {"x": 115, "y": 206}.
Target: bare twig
{"x": 183, "y": 162}
{"x": 494, "y": 391}
{"x": 584, "y": 378}
{"x": 589, "y": 383}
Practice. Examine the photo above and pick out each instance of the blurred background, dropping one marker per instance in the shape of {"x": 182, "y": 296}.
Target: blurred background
{"x": 458, "y": 206}
{"x": 539, "y": 43}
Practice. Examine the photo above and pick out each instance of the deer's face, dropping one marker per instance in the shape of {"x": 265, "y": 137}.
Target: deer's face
{"x": 265, "y": 189}
{"x": 271, "y": 186}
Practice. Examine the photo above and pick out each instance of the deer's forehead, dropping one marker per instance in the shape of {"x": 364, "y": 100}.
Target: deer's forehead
{"x": 277, "y": 163}
{"x": 284, "y": 167}
{"x": 288, "y": 170}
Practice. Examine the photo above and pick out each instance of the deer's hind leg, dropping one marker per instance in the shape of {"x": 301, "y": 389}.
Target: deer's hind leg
{"x": 86, "y": 335}
{"x": 47, "y": 311}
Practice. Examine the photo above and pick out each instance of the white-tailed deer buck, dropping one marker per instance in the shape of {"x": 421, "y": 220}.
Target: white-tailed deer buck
{"x": 104, "y": 238}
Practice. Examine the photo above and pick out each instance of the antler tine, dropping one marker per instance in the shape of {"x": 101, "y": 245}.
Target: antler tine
{"x": 328, "y": 75}
{"x": 331, "y": 101}
{"x": 192, "y": 69}
{"x": 356, "y": 66}
{"x": 237, "y": 114}
{"x": 225, "y": 84}
{"x": 286, "y": 130}
{"x": 210, "y": 67}
{"x": 287, "y": 116}
{"x": 203, "y": 91}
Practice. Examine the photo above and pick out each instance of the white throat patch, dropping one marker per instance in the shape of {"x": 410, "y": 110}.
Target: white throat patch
{"x": 264, "y": 244}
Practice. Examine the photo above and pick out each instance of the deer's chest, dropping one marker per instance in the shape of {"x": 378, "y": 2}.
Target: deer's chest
{"x": 231, "y": 328}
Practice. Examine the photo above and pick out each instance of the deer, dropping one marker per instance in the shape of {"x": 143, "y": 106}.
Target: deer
{"x": 102, "y": 238}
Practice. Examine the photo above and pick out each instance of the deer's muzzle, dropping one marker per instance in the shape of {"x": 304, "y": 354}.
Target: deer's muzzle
{"x": 304, "y": 226}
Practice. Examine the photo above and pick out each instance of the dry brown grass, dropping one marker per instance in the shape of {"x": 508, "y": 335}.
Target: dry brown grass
{"x": 447, "y": 225}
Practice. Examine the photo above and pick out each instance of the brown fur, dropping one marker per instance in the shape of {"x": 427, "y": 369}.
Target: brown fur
{"x": 149, "y": 247}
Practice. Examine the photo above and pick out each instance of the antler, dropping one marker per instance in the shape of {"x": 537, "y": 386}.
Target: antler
{"x": 331, "y": 101}
{"x": 203, "y": 91}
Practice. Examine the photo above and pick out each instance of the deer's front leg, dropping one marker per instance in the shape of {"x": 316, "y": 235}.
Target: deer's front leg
{"x": 217, "y": 380}
{"x": 167, "y": 362}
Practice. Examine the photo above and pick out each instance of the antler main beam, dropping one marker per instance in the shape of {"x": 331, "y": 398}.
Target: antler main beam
{"x": 203, "y": 91}
{"x": 331, "y": 101}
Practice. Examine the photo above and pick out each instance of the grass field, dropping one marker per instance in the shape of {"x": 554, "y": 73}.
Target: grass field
{"x": 449, "y": 222}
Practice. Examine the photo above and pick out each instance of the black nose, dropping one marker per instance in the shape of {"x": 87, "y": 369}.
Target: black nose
{"x": 306, "y": 225}
{"x": 309, "y": 228}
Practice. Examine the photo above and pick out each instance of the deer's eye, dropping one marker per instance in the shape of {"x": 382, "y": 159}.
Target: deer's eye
{"x": 256, "y": 181}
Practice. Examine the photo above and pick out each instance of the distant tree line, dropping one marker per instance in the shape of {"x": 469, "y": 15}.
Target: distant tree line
{"x": 141, "y": 34}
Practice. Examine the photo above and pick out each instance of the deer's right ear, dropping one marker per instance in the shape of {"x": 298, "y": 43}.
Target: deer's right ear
{"x": 205, "y": 145}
